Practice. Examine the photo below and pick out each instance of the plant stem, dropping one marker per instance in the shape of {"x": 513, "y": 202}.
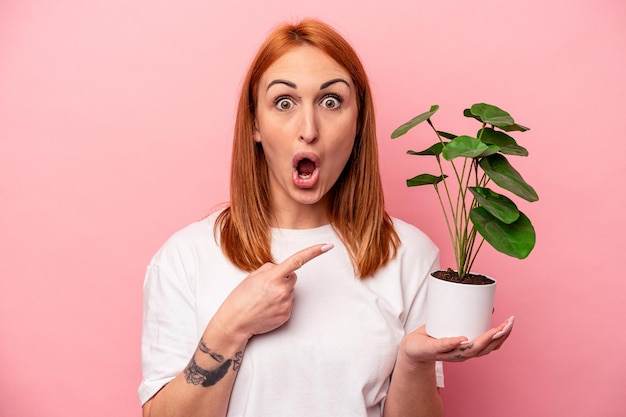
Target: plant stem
{"x": 454, "y": 236}
{"x": 462, "y": 241}
{"x": 475, "y": 253}
{"x": 445, "y": 215}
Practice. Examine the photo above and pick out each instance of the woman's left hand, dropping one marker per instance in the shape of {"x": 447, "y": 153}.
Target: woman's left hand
{"x": 418, "y": 346}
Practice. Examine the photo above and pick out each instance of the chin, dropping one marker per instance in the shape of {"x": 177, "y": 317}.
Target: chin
{"x": 308, "y": 197}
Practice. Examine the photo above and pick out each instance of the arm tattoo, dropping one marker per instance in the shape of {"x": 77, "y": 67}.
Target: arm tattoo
{"x": 203, "y": 348}
{"x": 237, "y": 362}
{"x": 205, "y": 377}
{"x": 196, "y": 375}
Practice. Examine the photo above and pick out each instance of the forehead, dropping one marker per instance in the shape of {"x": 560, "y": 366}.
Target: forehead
{"x": 304, "y": 63}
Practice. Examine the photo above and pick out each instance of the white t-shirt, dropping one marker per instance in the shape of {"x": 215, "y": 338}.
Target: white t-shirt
{"x": 333, "y": 357}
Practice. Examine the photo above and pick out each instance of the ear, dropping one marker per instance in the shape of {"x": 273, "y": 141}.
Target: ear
{"x": 255, "y": 133}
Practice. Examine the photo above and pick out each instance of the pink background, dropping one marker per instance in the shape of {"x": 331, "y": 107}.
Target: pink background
{"x": 115, "y": 126}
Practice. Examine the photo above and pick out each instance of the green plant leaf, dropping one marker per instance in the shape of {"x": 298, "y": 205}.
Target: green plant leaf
{"x": 506, "y": 143}
{"x": 424, "y": 179}
{"x": 516, "y": 239}
{"x": 468, "y": 113}
{"x": 503, "y": 208}
{"x": 433, "y": 150}
{"x": 463, "y": 146}
{"x": 515, "y": 127}
{"x": 502, "y": 173}
{"x": 491, "y": 149}
{"x": 414, "y": 122}
{"x": 491, "y": 115}
{"x": 446, "y": 135}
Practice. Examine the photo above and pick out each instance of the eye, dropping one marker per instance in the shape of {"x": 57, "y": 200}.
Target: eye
{"x": 331, "y": 102}
{"x": 284, "y": 103}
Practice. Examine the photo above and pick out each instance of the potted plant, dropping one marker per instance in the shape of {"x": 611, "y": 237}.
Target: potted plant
{"x": 474, "y": 214}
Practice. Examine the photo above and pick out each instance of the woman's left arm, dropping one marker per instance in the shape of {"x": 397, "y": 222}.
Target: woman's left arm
{"x": 413, "y": 390}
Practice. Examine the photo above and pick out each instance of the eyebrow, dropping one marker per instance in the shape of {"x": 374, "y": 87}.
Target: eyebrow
{"x": 293, "y": 85}
{"x": 331, "y": 82}
{"x": 287, "y": 83}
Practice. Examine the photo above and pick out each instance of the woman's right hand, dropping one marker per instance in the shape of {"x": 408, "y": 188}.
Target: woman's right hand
{"x": 263, "y": 301}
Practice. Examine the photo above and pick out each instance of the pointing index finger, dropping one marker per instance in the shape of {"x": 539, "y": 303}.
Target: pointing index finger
{"x": 299, "y": 258}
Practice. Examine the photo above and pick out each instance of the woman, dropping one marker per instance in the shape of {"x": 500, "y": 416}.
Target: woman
{"x": 230, "y": 329}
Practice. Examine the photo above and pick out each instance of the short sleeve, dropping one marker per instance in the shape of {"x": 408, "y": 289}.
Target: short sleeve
{"x": 419, "y": 257}
{"x": 169, "y": 333}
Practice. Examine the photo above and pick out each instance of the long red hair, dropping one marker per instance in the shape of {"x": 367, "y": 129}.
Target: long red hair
{"x": 356, "y": 204}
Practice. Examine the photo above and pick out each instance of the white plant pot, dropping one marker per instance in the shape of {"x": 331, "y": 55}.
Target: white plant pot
{"x": 455, "y": 309}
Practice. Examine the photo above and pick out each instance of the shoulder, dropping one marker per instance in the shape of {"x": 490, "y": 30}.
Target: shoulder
{"x": 193, "y": 233}
{"x": 413, "y": 239}
{"x": 187, "y": 243}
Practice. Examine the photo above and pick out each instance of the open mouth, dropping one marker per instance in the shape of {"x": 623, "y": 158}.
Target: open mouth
{"x": 305, "y": 169}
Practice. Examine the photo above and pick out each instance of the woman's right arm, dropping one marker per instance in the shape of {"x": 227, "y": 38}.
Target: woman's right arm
{"x": 261, "y": 303}
{"x": 203, "y": 388}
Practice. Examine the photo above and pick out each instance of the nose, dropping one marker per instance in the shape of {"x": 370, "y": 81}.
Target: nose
{"x": 308, "y": 125}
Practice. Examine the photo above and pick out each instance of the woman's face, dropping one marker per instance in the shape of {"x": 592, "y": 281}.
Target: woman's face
{"x": 306, "y": 123}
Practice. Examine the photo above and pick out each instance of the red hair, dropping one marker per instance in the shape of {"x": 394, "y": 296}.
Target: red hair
{"x": 356, "y": 204}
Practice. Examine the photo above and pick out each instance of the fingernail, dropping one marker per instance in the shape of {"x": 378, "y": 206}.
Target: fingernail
{"x": 508, "y": 325}
{"x": 498, "y": 335}
{"x": 327, "y": 247}
{"x": 505, "y": 329}
{"x": 465, "y": 342}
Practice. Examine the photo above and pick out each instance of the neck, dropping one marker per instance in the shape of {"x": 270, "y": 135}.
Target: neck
{"x": 302, "y": 217}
